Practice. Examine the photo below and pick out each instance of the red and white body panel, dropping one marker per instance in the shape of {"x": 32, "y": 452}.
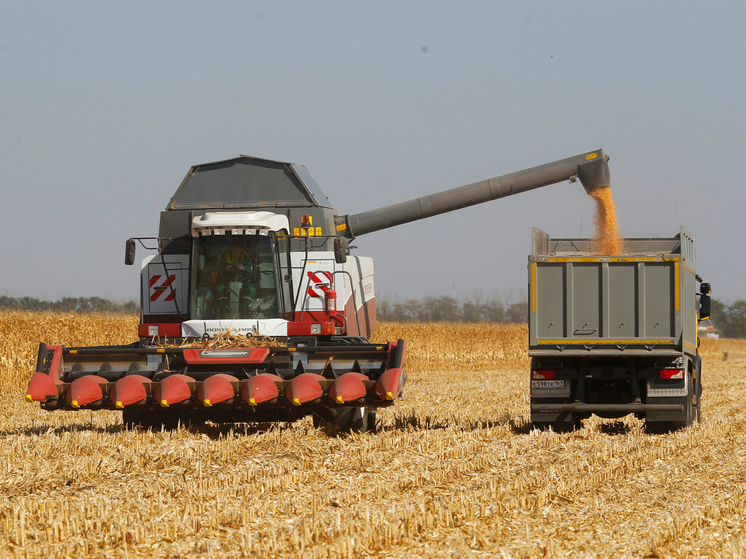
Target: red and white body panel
{"x": 353, "y": 282}
{"x": 164, "y": 288}
{"x": 246, "y": 327}
{"x": 165, "y": 283}
{"x": 359, "y": 301}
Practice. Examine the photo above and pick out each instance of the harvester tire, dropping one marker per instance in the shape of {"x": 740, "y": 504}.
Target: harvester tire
{"x": 347, "y": 419}
{"x": 156, "y": 420}
{"x": 134, "y": 418}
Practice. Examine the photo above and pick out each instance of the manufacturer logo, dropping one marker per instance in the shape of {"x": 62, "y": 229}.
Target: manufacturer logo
{"x": 224, "y": 353}
{"x": 234, "y": 329}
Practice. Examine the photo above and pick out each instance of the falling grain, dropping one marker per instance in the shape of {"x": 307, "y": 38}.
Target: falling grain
{"x": 607, "y": 241}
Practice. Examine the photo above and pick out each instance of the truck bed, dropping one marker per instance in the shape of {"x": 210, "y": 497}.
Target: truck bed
{"x": 633, "y": 303}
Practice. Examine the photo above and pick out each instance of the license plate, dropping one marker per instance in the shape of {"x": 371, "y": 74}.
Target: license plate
{"x": 547, "y": 384}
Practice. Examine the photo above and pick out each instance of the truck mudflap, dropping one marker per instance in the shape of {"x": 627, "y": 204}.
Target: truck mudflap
{"x": 238, "y": 383}
{"x": 605, "y": 408}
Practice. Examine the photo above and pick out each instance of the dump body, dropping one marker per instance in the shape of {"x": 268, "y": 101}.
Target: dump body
{"x": 640, "y": 301}
{"x": 606, "y": 326}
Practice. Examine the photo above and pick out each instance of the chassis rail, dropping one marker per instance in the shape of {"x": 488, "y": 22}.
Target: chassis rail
{"x": 611, "y": 408}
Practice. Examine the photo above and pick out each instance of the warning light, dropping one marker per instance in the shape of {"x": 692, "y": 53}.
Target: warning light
{"x": 306, "y": 221}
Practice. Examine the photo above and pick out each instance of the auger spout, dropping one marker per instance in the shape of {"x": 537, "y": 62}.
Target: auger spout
{"x": 591, "y": 168}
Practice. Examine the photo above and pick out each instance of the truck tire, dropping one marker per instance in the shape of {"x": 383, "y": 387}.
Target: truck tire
{"x": 697, "y": 382}
{"x": 692, "y": 415}
{"x": 690, "y": 407}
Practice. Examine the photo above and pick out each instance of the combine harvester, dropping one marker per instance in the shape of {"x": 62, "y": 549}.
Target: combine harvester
{"x": 254, "y": 248}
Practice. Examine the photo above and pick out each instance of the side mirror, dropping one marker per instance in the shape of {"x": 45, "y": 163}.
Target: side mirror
{"x": 129, "y": 252}
{"x": 340, "y": 250}
{"x": 704, "y": 306}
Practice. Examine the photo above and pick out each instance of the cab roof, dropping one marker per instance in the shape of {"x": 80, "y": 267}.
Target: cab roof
{"x": 247, "y": 182}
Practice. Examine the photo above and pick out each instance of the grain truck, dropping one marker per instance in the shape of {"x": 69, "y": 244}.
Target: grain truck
{"x": 614, "y": 335}
{"x": 254, "y": 248}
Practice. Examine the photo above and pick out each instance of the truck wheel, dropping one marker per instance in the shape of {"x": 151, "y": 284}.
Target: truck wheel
{"x": 692, "y": 415}
{"x": 689, "y": 407}
{"x": 697, "y": 390}
{"x": 347, "y": 419}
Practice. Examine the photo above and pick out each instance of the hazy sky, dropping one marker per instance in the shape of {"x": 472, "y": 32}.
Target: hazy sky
{"x": 104, "y": 107}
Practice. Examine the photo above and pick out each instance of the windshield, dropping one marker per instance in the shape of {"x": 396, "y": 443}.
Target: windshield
{"x": 234, "y": 277}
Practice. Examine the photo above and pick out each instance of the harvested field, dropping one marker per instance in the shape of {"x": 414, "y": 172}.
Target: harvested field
{"x": 453, "y": 471}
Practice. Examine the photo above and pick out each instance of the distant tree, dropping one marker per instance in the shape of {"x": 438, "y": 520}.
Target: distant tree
{"x": 410, "y": 310}
{"x": 440, "y": 309}
{"x": 494, "y": 311}
{"x": 719, "y": 316}
{"x": 9, "y": 303}
{"x": 729, "y": 320}
{"x": 68, "y": 304}
{"x": 450, "y": 309}
{"x": 736, "y": 322}
{"x": 473, "y": 312}
{"x": 517, "y": 312}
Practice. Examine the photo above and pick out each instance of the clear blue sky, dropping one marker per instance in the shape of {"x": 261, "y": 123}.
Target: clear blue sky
{"x": 105, "y": 106}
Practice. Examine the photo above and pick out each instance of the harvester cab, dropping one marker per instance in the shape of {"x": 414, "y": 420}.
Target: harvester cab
{"x": 253, "y": 248}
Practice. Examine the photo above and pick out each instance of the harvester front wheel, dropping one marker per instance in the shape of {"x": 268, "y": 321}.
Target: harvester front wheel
{"x": 155, "y": 420}
{"x": 132, "y": 418}
{"x": 347, "y": 419}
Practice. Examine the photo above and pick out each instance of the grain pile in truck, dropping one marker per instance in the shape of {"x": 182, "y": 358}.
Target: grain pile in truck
{"x": 254, "y": 247}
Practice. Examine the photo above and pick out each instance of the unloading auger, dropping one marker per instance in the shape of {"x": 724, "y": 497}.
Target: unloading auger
{"x": 253, "y": 248}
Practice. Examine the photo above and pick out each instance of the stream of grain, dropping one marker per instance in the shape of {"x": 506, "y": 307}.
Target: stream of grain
{"x": 606, "y": 239}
